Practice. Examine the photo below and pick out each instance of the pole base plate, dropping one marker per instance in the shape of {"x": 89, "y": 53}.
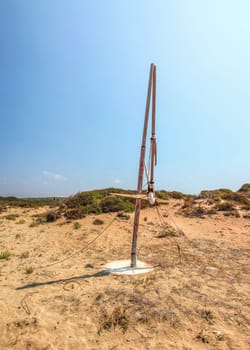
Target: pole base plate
{"x": 122, "y": 267}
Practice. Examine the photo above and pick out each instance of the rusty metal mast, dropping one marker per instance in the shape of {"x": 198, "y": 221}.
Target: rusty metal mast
{"x": 151, "y": 91}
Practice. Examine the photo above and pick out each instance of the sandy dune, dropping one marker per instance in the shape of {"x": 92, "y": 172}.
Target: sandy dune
{"x": 197, "y": 297}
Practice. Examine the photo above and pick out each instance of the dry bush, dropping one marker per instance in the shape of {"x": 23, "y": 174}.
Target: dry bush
{"x": 117, "y": 317}
{"x": 76, "y": 225}
{"x": 98, "y": 222}
{"x": 194, "y": 211}
{"x": 5, "y": 255}
{"x": 52, "y": 216}
{"x": 11, "y": 216}
{"x": 224, "y": 206}
{"x": 232, "y": 213}
{"x": 123, "y": 216}
{"x": 139, "y": 305}
{"x": 169, "y": 231}
{"x": 246, "y": 216}
{"x": 74, "y": 214}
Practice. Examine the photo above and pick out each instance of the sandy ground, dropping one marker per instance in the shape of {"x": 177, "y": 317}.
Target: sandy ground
{"x": 197, "y": 297}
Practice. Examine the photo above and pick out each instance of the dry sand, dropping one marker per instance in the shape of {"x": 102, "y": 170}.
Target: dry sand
{"x": 196, "y": 297}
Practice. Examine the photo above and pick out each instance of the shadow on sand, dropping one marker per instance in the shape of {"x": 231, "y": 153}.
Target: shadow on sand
{"x": 120, "y": 270}
{"x": 38, "y": 284}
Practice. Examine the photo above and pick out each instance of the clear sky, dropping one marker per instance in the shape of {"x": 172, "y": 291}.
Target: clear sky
{"x": 73, "y": 81}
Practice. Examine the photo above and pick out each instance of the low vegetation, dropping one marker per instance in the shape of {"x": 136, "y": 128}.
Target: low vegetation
{"x": 76, "y": 207}
{"x": 211, "y": 202}
{"x": 245, "y": 189}
{"x": 76, "y": 225}
{"x": 95, "y": 202}
{"x": 11, "y": 216}
{"x": 4, "y": 255}
{"x": 98, "y": 222}
{"x": 29, "y": 270}
{"x": 29, "y": 202}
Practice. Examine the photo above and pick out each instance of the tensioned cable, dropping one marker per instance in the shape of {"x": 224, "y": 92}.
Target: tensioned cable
{"x": 82, "y": 249}
{"x": 164, "y": 226}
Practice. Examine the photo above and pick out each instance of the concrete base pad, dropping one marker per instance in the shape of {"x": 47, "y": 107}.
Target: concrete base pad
{"x": 122, "y": 267}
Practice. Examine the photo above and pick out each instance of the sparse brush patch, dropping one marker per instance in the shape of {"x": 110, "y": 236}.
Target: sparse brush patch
{"x": 246, "y": 216}
{"x": 18, "y": 235}
{"x": 34, "y": 223}
{"x": 224, "y": 206}
{"x": 99, "y": 298}
{"x": 240, "y": 197}
{"x": 29, "y": 202}
{"x": 113, "y": 204}
{"x": 76, "y": 225}
{"x": 2, "y": 209}
{"x": 24, "y": 255}
{"x": 207, "y": 315}
{"x": 22, "y": 221}
{"x": 52, "y": 216}
{"x": 176, "y": 195}
{"x": 211, "y": 211}
{"x": 4, "y": 255}
{"x": 134, "y": 306}
{"x": 98, "y": 222}
{"x": 245, "y": 207}
{"x": 235, "y": 197}
{"x": 72, "y": 214}
{"x": 29, "y": 270}
{"x": 116, "y": 318}
{"x": 233, "y": 213}
{"x": 123, "y": 216}
{"x": 244, "y": 188}
{"x": 11, "y": 216}
{"x": 193, "y": 211}
{"x": 162, "y": 194}
{"x": 202, "y": 337}
{"x": 168, "y": 232}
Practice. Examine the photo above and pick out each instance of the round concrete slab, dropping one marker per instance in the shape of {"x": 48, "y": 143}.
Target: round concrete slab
{"x": 122, "y": 267}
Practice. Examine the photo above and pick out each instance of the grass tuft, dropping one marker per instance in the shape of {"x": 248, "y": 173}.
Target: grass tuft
{"x": 76, "y": 225}
{"x": 5, "y": 254}
{"x": 29, "y": 270}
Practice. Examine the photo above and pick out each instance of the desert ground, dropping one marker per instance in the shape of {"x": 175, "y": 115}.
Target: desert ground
{"x": 57, "y": 294}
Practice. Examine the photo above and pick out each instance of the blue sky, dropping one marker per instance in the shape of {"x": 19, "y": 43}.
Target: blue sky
{"x": 73, "y": 81}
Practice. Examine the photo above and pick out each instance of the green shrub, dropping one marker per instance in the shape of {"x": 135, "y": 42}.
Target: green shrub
{"x": 72, "y": 214}
{"x": 76, "y": 225}
{"x": 52, "y": 216}
{"x": 29, "y": 269}
{"x": 224, "y": 206}
{"x": 22, "y": 221}
{"x": 11, "y": 216}
{"x": 34, "y": 223}
{"x": 114, "y": 204}
{"x": 162, "y": 194}
{"x": 98, "y": 222}
{"x": 176, "y": 195}
{"x": 5, "y": 254}
{"x": 234, "y": 196}
{"x": 245, "y": 188}
{"x": 30, "y": 202}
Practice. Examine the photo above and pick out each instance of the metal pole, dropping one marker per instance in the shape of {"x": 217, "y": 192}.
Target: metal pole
{"x": 141, "y": 171}
{"x": 153, "y": 138}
